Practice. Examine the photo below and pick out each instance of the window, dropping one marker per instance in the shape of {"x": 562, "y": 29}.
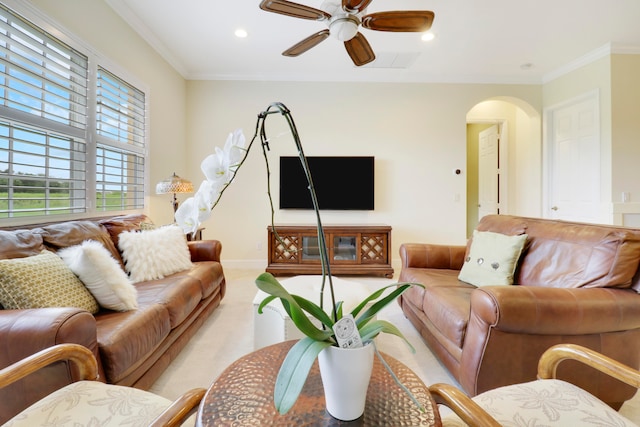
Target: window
{"x": 57, "y": 121}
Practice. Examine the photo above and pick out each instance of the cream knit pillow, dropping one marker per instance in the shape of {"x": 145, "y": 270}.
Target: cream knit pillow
{"x": 101, "y": 274}
{"x": 153, "y": 254}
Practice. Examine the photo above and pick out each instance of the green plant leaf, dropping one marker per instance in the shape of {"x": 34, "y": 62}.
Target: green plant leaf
{"x": 264, "y": 302}
{"x": 314, "y": 310}
{"x": 372, "y": 329}
{"x": 379, "y": 305}
{"x": 267, "y": 283}
{"x": 294, "y": 371}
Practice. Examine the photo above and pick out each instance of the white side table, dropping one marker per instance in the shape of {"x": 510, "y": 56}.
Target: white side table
{"x": 274, "y": 324}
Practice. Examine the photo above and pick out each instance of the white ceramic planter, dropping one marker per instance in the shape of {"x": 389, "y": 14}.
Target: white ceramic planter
{"x": 345, "y": 376}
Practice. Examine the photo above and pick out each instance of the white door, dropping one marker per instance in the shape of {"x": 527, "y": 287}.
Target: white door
{"x": 489, "y": 172}
{"x": 574, "y": 148}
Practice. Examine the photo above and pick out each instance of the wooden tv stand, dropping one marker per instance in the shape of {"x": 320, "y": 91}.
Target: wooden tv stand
{"x": 353, "y": 250}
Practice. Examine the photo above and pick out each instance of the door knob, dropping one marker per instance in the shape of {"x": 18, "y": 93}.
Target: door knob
{"x": 554, "y": 208}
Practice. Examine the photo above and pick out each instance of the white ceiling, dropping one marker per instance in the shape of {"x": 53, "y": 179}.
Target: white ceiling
{"x": 476, "y": 41}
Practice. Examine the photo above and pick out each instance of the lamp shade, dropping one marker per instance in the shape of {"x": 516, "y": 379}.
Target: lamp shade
{"x": 174, "y": 184}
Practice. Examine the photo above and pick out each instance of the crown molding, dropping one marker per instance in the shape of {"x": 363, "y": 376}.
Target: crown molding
{"x": 603, "y": 51}
{"x": 131, "y": 18}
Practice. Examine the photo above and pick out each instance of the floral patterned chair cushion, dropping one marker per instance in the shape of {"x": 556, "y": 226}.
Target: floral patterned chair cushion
{"x": 92, "y": 403}
{"x": 548, "y": 402}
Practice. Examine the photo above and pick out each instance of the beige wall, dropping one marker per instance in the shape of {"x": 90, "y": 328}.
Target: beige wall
{"x": 417, "y": 132}
{"x": 615, "y": 79}
{"x": 625, "y": 137}
{"x": 95, "y": 23}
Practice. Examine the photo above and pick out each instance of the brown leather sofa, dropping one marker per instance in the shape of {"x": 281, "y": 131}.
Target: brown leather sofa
{"x": 132, "y": 348}
{"x": 574, "y": 283}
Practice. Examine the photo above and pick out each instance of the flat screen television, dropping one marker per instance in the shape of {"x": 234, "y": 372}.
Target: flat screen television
{"x": 341, "y": 183}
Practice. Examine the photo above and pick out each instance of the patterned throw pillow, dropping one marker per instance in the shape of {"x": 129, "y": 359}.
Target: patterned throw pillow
{"x": 42, "y": 280}
{"x": 492, "y": 258}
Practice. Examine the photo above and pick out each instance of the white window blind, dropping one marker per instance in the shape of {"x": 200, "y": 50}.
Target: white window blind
{"x": 119, "y": 179}
{"x": 61, "y": 113}
{"x": 41, "y": 75}
{"x": 121, "y": 110}
{"x": 120, "y": 125}
{"x": 40, "y": 172}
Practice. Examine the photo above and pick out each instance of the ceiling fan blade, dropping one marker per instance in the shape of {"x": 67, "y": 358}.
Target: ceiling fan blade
{"x": 355, "y": 5}
{"x": 359, "y": 50}
{"x": 295, "y": 10}
{"x": 399, "y": 21}
{"x": 306, "y": 44}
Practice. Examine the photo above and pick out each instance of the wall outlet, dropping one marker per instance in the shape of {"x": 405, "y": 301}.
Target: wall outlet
{"x": 258, "y": 246}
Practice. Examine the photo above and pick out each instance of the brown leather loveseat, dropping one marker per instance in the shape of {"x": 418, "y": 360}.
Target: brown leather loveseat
{"x": 132, "y": 347}
{"x": 574, "y": 283}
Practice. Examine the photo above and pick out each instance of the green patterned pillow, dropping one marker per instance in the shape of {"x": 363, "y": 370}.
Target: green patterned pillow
{"x": 42, "y": 280}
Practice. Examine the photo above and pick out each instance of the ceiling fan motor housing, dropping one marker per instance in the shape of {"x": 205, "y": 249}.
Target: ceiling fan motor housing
{"x": 344, "y": 27}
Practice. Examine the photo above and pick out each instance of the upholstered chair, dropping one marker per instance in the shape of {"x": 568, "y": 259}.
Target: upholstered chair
{"x": 546, "y": 401}
{"x": 90, "y": 402}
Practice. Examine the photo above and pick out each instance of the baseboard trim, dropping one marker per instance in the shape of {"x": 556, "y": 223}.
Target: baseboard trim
{"x": 245, "y": 264}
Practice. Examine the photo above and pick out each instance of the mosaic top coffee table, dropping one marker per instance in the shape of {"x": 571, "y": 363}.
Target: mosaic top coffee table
{"x": 243, "y": 396}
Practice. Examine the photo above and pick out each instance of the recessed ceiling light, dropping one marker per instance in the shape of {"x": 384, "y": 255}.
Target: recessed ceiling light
{"x": 241, "y": 33}
{"x": 428, "y": 36}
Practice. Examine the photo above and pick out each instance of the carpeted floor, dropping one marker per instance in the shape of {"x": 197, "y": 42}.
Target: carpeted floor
{"x": 228, "y": 334}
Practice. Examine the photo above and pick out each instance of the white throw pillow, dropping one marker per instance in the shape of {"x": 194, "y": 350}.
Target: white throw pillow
{"x": 492, "y": 258}
{"x": 153, "y": 254}
{"x": 102, "y": 275}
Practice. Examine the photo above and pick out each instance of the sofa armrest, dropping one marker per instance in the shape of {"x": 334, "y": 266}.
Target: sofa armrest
{"x": 510, "y": 327}
{"x": 205, "y": 250}
{"x": 25, "y": 332}
{"x": 553, "y": 311}
{"x": 425, "y": 255}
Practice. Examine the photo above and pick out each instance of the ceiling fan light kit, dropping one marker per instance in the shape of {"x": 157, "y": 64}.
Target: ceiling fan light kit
{"x": 344, "y": 23}
{"x": 345, "y": 27}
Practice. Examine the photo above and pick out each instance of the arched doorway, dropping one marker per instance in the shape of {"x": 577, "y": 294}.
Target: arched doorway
{"x": 517, "y": 159}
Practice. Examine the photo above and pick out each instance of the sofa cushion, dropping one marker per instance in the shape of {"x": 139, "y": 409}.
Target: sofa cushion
{"x": 571, "y": 255}
{"x": 40, "y": 281}
{"x": 179, "y": 294}
{"x": 118, "y": 224}
{"x": 19, "y": 244}
{"x": 127, "y": 339}
{"x": 101, "y": 274}
{"x": 209, "y": 274}
{"x": 153, "y": 254}
{"x": 492, "y": 258}
{"x": 448, "y": 309}
{"x": 430, "y": 278}
{"x": 71, "y": 233}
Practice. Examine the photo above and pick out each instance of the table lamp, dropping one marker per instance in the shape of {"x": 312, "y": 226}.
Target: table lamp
{"x": 174, "y": 184}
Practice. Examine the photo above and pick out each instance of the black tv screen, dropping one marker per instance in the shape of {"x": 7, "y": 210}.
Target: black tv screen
{"x": 341, "y": 183}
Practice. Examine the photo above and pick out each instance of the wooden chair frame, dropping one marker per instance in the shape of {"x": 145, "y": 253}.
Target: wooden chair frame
{"x": 472, "y": 414}
{"x": 85, "y": 362}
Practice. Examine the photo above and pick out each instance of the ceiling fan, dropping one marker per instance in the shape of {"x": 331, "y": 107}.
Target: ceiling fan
{"x": 344, "y": 21}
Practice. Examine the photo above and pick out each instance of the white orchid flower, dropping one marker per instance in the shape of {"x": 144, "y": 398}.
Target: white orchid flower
{"x": 206, "y": 196}
{"x": 234, "y": 147}
{"x": 187, "y": 216}
{"x": 217, "y": 168}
